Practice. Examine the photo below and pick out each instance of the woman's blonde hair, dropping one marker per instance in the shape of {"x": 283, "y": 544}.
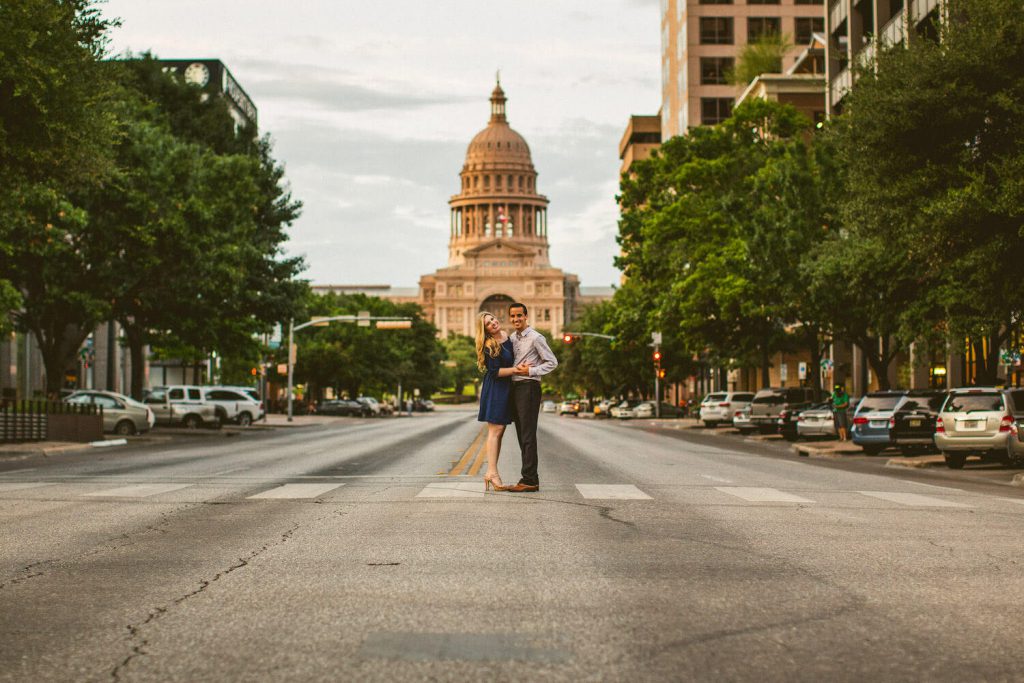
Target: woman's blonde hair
{"x": 485, "y": 341}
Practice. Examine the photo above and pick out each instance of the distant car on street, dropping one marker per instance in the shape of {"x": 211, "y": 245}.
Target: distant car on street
{"x": 769, "y": 404}
{"x": 182, "y": 405}
{"x": 741, "y": 420}
{"x": 122, "y": 415}
{"x": 568, "y": 408}
{"x": 234, "y": 405}
{"x": 343, "y": 408}
{"x": 646, "y": 409}
{"x": 548, "y": 407}
{"x": 719, "y": 407}
{"x": 371, "y": 403}
{"x": 624, "y": 410}
{"x": 816, "y": 421}
{"x": 912, "y": 425}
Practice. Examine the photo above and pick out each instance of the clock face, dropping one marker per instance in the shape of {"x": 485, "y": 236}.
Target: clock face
{"x": 197, "y": 74}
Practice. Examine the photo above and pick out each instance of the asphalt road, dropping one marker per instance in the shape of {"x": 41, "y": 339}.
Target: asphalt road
{"x": 366, "y": 550}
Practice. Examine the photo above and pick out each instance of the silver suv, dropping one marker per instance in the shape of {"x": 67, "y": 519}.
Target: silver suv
{"x": 719, "y": 408}
{"x": 973, "y": 421}
{"x": 182, "y": 405}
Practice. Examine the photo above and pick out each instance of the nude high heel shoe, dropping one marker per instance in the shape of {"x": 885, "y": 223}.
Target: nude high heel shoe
{"x": 494, "y": 483}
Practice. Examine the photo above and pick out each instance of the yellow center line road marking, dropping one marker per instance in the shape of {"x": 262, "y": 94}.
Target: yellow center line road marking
{"x": 481, "y": 456}
{"x": 468, "y": 455}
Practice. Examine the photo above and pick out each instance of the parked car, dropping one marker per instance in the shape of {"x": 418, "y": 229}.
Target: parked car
{"x": 646, "y": 410}
{"x": 718, "y": 408}
{"x": 603, "y": 408}
{"x": 973, "y": 421}
{"x": 625, "y": 409}
{"x": 870, "y": 428}
{"x": 912, "y": 425}
{"x": 122, "y": 415}
{"x": 1015, "y": 439}
{"x": 818, "y": 420}
{"x": 768, "y": 405}
{"x": 343, "y": 408}
{"x": 568, "y": 408}
{"x": 548, "y": 407}
{"x": 182, "y": 405}
{"x": 234, "y": 405}
{"x": 741, "y": 420}
{"x": 371, "y": 403}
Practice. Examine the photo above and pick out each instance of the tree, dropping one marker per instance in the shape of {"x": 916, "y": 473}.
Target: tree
{"x": 760, "y": 56}
{"x": 56, "y": 130}
{"x": 460, "y": 361}
{"x": 932, "y": 140}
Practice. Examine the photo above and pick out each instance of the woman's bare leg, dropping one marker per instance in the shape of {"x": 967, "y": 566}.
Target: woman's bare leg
{"x": 494, "y": 434}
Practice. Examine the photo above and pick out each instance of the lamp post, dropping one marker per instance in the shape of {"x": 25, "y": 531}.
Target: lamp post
{"x": 398, "y": 323}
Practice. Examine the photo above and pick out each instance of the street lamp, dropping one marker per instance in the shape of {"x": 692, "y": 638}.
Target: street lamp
{"x": 391, "y": 322}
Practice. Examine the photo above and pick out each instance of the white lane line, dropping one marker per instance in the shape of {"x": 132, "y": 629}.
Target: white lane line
{"x": 612, "y": 492}
{"x": 293, "y": 491}
{"x": 24, "y": 469}
{"x": 138, "y": 490}
{"x": 23, "y": 485}
{"x": 762, "y": 495}
{"x": 720, "y": 480}
{"x": 933, "y": 486}
{"x": 453, "y": 489}
{"x": 233, "y": 469}
{"x": 1018, "y": 501}
{"x": 913, "y": 499}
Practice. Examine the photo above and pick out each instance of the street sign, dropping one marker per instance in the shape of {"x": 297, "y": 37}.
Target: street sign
{"x": 655, "y": 337}
{"x": 802, "y": 370}
{"x": 282, "y": 369}
{"x": 392, "y": 324}
{"x": 364, "y": 319}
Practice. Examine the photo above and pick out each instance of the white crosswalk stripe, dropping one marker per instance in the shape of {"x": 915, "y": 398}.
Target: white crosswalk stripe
{"x": 295, "y": 491}
{"x": 453, "y": 489}
{"x": 138, "y": 490}
{"x": 14, "y": 486}
{"x": 913, "y": 499}
{"x": 611, "y": 492}
{"x": 762, "y": 495}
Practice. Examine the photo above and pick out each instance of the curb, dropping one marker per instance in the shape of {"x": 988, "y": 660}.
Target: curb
{"x": 919, "y": 463}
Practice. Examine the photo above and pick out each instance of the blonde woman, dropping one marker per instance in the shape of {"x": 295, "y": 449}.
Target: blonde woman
{"x": 494, "y": 356}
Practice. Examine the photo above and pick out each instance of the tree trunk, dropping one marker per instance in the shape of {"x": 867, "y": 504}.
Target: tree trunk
{"x": 58, "y": 349}
{"x": 136, "y": 350}
{"x": 814, "y": 347}
{"x": 766, "y": 368}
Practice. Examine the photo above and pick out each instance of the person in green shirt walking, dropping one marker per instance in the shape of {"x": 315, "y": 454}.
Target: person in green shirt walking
{"x": 840, "y": 411}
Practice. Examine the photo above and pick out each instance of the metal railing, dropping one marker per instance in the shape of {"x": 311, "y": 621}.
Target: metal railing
{"x": 27, "y": 420}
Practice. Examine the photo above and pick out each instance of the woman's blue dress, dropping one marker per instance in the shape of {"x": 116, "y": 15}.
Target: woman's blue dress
{"x": 494, "y": 395}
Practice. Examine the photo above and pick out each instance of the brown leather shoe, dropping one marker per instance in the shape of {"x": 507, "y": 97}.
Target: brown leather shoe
{"x": 523, "y": 488}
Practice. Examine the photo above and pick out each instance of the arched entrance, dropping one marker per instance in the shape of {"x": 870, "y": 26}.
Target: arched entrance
{"x": 497, "y": 305}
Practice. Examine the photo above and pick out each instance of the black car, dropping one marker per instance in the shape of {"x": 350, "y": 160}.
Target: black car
{"x": 343, "y": 408}
{"x": 912, "y": 425}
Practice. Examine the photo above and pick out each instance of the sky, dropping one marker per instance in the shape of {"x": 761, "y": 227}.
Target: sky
{"x": 371, "y": 105}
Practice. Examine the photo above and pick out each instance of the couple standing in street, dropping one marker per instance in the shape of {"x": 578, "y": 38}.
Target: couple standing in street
{"x": 513, "y": 365}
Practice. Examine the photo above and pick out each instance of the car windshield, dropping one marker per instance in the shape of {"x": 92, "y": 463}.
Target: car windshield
{"x": 969, "y": 403}
{"x": 872, "y": 404}
{"x": 770, "y": 397}
{"x": 715, "y": 398}
{"x": 928, "y": 403}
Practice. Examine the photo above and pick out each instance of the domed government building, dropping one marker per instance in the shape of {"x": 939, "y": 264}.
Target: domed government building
{"x": 497, "y": 244}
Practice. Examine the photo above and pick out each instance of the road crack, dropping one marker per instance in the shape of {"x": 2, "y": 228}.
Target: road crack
{"x": 136, "y": 637}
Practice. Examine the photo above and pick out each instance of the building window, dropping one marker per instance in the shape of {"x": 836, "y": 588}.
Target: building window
{"x": 715, "y": 110}
{"x": 487, "y": 182}
{"x": 808, "y": 2}
{"x": 762, "y": 2}
{"x": 758, "y": 27}
{"x": 806, "y": 27}
{"x": 716, "y": 31}
{"x": 715, "y": 2}
{"x": 713, "y": 70}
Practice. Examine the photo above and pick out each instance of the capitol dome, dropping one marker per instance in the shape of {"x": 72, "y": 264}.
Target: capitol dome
{"x": 497, "y": 145}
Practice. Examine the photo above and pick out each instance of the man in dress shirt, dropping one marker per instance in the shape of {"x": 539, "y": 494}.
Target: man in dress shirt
{"x": 533, "y": 360}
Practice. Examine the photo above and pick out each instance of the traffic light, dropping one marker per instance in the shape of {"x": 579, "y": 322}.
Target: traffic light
{"x": 657, "y": 355}
{"x": 661, "y": 373}
{"x": 569, "y": 338}
{"x": 254, "y": 372}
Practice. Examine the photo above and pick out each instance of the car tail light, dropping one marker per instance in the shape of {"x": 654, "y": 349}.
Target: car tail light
{"x": 892, "y": 423}
{"x": 724, "y": 405}
{"x": 799, "y": 418}
{"x": 939, "y": 427}
{"x": 1006, "y": 423}
{"x": 860, "y": 420}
